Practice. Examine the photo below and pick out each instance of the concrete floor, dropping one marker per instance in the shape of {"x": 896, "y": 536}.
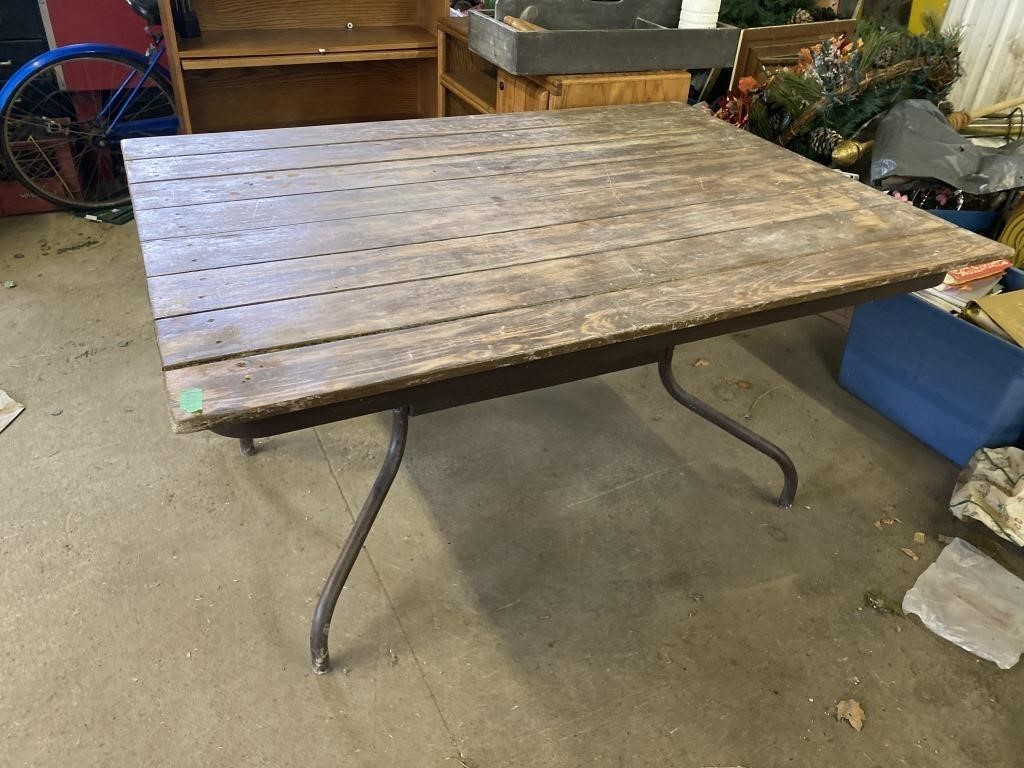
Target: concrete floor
{"x": 587, "y": 575}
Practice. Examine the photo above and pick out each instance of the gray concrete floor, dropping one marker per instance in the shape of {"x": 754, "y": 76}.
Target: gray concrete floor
{"x": 587, "y": 575}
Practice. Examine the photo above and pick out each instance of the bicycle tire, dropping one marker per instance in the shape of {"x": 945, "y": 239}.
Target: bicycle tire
{"x": 7, "y": 151}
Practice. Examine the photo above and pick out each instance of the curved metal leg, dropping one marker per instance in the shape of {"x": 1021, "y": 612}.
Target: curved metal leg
{"x": 350, "y": 551}
{"x": 735, "y": 429}
{"x": 247, "y": 446}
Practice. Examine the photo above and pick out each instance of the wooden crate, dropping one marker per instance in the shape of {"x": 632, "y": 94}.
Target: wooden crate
{"x": 469, "y": 84}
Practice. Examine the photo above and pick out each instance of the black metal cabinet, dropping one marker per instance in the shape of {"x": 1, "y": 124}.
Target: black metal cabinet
{"x": 22, "y": 35}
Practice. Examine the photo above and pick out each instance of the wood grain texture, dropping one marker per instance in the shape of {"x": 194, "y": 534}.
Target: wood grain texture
{"x": 319, "y": 135}
{"x": 254, "y": 186}
{"x": 368, "y": 263}
{"x": 205, "y": 290}
{"x": 280, "y": 42}
{"x": 412, "y": 148}
{"x": 269, "y": 97}
{"x": 293, "y": 379}
{"x": 229, "y": 15}
{"x": 205, "y": 336}
{"x": 517, "y": 184}
{"x": 167, "y": 256}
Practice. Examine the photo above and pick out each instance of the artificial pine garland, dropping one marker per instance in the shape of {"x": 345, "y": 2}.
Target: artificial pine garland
{"x": 771, "y": 13}
{"x": 840, "y": 85}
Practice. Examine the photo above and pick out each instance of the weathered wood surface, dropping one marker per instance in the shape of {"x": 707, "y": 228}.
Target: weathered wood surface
{"x": 334, "y": 263}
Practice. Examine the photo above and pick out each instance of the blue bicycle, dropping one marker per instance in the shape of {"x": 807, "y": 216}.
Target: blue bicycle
{"x": 64, "y": 114}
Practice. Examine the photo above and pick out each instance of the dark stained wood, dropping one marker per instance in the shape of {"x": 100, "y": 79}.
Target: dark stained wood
{"x": 676, "y": 168}
{"x": 319, "y": 135}
{"x": 293, "y": 379}
{"x": 186, "y": 292}
{"x": 594, "y": 202}
{"x": 324, "y": 282}
{"x": 253, "y": 186}
{"x": 398, "y": 148}
{"x": 217, "y": 334}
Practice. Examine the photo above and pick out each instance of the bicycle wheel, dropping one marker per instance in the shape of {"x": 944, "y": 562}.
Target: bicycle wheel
{"x": 60, "y": 131}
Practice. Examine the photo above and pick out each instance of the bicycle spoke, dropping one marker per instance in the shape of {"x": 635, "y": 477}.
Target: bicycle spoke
{"x": 54, "y": 133}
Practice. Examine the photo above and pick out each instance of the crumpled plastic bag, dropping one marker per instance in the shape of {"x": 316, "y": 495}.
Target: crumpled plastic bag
{"x": 969, "y": 599}
{"x": 914, "y": 140}
{"x": 991, "y": 489}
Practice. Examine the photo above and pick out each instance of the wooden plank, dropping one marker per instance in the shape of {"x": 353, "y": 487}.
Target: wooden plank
{"x": 291, "y": 158}
{"x": 225, "y": 287}
{"x": 312, "y": 14}
{"x": 308, "y": 136}
{"x": 185, "y": 254}
{"x": 292, "y": 59}
{"x": 477, "y": 89}
{"x": 251, "y": 186}
{"x": 242, "y": 215}
{"x": 249, "y": 42}
{"x": 253, "y": 329}
{"x": 294, "y": 379}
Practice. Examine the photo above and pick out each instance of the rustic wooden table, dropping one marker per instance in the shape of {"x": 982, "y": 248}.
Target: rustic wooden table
{"x": 303, "y": 276}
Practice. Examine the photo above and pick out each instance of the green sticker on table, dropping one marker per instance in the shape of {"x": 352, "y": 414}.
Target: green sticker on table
{"x": 191, "y": 400}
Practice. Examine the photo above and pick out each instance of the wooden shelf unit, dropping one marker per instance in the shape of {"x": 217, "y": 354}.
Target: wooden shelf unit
{"x": 280, "y": 63}
{"x": 468, "y": 84}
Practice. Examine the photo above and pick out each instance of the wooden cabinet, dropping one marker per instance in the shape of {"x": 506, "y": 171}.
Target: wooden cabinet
{"x": 278, "y": 63}
{"x": 468, "y": 84}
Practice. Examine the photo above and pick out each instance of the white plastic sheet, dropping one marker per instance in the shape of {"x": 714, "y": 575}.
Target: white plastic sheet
{"x": 969, "y": 599}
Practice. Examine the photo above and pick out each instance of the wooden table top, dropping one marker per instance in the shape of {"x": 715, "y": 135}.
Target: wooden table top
{"x": 306, "y": 266}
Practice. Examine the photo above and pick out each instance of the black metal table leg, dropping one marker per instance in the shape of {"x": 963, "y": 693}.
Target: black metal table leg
{"x": 247, "y": 446}
{"x": 350, "y": 551}
{"x": 735, "y": 429}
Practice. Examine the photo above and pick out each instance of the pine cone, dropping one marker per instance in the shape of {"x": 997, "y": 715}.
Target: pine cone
{"x": 779, "y": 119}
{"x": 800, "y": 16}
{"x": 886, "y": 57}
{"x": 942, "y": 72}
{"x": 824, "y": 140}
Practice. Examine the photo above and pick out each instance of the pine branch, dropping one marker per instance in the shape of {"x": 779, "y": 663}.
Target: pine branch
{"x": 808, "y": 115}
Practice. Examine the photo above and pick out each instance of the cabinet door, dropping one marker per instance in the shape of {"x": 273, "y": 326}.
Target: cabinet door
{"x": 519, "y": 94}
{"x": 20, "y": 20}
{"x": 14, "y": 54}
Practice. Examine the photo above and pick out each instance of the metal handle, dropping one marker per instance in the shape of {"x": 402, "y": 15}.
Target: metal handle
{"x": 7, "y": 63}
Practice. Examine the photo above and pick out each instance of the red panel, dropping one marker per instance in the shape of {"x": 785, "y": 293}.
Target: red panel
{"x": 97, "y": 21}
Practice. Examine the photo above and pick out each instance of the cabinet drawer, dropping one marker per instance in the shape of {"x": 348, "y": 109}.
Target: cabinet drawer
{"x": 20, "y": 20}
{"x": 14, "y": 54}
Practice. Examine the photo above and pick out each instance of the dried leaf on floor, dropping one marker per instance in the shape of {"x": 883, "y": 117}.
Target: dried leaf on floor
{"x": 909, "y": 553}
{"x": 886, "y": 521}
{"x": 882, "y": 603}
{"x": 851, "y": 711}
{"x": 700, "y": 362}
{"x": 743, "y": 384}
{"x": 919, "y": 537}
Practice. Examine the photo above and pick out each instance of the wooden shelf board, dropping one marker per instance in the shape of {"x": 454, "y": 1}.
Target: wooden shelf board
{"x": 478, "y": 89}
{"x": 237, "y": 62}
{"x": 251, "y": 43}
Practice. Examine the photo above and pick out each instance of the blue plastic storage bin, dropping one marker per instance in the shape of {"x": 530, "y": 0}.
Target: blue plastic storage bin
{"x": 952, "y": 385}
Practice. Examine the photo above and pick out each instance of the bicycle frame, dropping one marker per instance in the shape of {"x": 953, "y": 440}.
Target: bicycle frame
{"x": 163, "y": 126}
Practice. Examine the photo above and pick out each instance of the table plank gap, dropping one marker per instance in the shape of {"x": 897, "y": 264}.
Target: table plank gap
{"x": 225, "y": 287}
{"x": 306, "y": 321}
{"x": 294, "y": 379}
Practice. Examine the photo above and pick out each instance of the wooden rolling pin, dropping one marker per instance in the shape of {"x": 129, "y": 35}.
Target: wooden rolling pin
{"x": 960, "y": 120}
{"x": 523, "y": 26}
